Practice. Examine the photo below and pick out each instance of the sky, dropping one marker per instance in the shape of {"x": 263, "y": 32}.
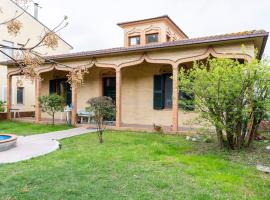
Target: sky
{"x": 92, "y": 23}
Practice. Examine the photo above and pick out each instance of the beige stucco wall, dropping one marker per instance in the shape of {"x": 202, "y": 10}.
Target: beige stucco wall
{"x": 159, "y": 26}
{"x": 91, "y": 87}
{"x": 137, "y": 81}
{"x": 137, "y": 94}
{"x": 46, "y": 77}
{"x": 29, "y": 91}
{"x": 137, "y": 98}
{"x": 31, "y": 29}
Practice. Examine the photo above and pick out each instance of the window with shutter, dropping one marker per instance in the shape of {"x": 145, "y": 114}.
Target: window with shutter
{"x": 167, "y": 91}
{"x": 62, "y": 88}
{"x": 109, "y": 87}
{"x": 52, "y": 87}
{"x": 68, "y": 93}
{"x": 158, "y": 92}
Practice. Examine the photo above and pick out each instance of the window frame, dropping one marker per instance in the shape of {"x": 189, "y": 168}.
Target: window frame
{"x": 160, "y": 93}
{"x": 110, "y": 80}
{"x": 149, "y": 34}
{"x": 167, "y": 76}
{"x": 134, "y": 36}
{"x": 22, "y": 95}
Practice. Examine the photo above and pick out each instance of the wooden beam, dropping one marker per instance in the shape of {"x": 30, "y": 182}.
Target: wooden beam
{"x": 37, "y": 104}
{"x": 9, "y": 96}
{"x": 118, "y": 98}
{"x": 175, "y": 99}
{"x": 74, "y": 105}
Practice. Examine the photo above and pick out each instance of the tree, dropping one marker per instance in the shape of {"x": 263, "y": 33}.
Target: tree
{"x": 234, "y": 97}
{"x": 51, "y": 104}
{"x": 102, "y": 107}
{"x": 27, "y": 56}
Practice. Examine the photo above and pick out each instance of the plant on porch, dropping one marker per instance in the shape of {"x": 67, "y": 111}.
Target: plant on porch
{"x": 2, "y": 106}
{"x": 103, "y": 108}
{"x": 51, "y": 104}
{"x": 234, "y": 97}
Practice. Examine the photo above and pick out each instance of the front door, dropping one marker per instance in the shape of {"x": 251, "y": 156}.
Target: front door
{"x": 109, "y": 87}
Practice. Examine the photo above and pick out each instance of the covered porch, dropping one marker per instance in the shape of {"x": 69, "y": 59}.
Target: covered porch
{"x": 144, "y": 87}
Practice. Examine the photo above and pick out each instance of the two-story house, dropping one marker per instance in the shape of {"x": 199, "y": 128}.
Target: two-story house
{"x": 142, "y": 76}
{"x": 23, "y": 90}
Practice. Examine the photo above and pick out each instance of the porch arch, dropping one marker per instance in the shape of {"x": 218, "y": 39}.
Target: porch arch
{"x": 145, "y": 58}
{"x": 211, "y": 51}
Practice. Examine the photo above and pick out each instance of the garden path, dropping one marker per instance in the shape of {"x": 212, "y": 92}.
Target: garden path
{"x": 37, "y": 145}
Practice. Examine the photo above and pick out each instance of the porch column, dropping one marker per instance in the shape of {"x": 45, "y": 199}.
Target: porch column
{"x": 118, "y": 98}
{"x": 175, "y": 99}
{"x": 74, "y": 104}
{"x": 38, "y": 94}
{"x": 9, "y": 96}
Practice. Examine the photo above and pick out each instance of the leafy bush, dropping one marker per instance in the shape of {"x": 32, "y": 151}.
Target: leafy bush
{"x": 234, "y": 97}
{"x": 103, "y": 108}
{"x": 51, "y": 104}
{"x": 2, "y": 106}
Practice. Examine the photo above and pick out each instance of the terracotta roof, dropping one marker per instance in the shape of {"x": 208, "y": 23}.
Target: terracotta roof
{"x": 154, "y": 18}
{"x": 178, "y": 43}
{"x": 199, "y": 40}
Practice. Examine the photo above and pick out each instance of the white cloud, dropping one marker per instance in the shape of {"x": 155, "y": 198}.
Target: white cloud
{"x": 93, "y": 22}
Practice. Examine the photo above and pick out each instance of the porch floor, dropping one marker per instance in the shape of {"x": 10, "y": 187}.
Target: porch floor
{"x": 43, "y": 121}
{"x": 186, "y": 130}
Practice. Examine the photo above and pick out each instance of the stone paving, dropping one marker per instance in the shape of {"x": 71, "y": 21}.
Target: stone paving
{"x": 37, "y": 145}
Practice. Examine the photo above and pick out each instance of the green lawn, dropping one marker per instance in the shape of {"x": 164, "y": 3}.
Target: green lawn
{"x": 133, "y": 165}
{"x": 23, "y": 128}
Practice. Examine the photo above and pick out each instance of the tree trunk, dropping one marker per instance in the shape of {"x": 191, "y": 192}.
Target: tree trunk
{"x": 100, "y": 137}
{"x": 220, "y": 138}
{"x": 230, "y": 140}
{"x": 53, "y": 119}
{"x": 249, "y": 128}
{"x": 238, "y": 134}
{"x": 252, "y": 135}
{"x": 99, "y": 122}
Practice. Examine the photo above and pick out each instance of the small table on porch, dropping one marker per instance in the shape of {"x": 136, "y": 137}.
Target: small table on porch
{"x": 15, "y": 112}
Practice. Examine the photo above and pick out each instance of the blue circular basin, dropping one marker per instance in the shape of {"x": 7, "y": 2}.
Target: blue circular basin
{"x": 4, "y": 137}
{"x": 7, "y": 141}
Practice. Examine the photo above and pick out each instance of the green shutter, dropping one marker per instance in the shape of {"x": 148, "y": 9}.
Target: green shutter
{"x": 52, "y": 87}
{"x": 158, "y": 92}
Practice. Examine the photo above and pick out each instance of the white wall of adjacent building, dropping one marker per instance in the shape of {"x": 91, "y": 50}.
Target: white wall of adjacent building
{"x": 23, "y": 96}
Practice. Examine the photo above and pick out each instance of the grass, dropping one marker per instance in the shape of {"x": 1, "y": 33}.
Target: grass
{"x": 23, "y": 128}
{"x": 133, "y": 165}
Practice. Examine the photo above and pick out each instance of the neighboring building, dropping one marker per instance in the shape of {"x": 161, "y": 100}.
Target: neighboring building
{"x": 22, "y": 90}
{"x": 142, "y": 76}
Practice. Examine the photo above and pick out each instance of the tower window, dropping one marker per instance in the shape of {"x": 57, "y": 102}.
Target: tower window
{"x": 134, "y": 40}
{"x": 152, "y": 38}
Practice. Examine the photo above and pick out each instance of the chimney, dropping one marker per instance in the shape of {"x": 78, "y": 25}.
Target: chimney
{"x": 36, "y": 7}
